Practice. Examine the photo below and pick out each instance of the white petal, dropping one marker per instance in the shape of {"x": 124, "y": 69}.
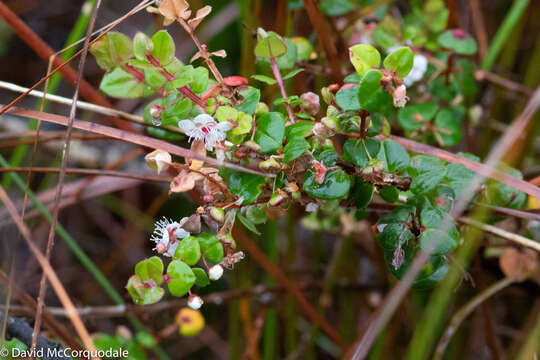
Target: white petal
{"x": 224, "y": 126}
{"x": 203, "y": 119}
{"x": 181, "y": 233}
{"x": 172, "y": 249}
{"x": 186, "y": 125}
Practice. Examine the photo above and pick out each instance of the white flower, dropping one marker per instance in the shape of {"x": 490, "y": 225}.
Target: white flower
{"x": 204, "y": 127}
{"x": 312, "y": 207}
{"x": 195, "y": 302}
{"x": 400, "y": 96}
{"x": 215, "y": 272}
{"x": 420, "y": 64}
{"x": 166, "y": 235}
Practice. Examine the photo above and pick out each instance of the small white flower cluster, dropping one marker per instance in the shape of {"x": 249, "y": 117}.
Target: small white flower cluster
{"x": 166, "y": 235}
{"x": 419, "y": 68}
{"x": 204, "y": 127}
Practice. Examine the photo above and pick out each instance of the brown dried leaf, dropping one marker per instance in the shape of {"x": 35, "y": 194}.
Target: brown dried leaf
{"x": 201, "y": 14}
{"x": 184, "y": 181}
{"x": 516, "y": 263}
{"x": 219, "y": 53}
{"x": 192, "y": 224}
{"x": 159, "y": 160}
{"x": 198, "y": 147}
{"x": 173, "y": 9}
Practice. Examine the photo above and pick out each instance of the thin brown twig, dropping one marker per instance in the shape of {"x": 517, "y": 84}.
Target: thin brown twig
{"x": 132, "y": 138}
{"x": 49, "y": 271}
{"x": 62, "y": 173}
{"x": 93, "y": 172}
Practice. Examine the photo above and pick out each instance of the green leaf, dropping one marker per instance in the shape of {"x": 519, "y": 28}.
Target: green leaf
{"x": 449, "y": 128}
{"x": 458, "y": 177}
{"x": 436, "y": 241}
{"x": 270, "y": 131}
{"x": 336, "y": 185}
{"x": 211, "y": 247}
{"x": 292, "y": 74}
{"x": 182, "y": 278}
{"x": 176, "y": 112}
{"x": 188, "y": 250}
{"x": 163, "y": 47}
{"x": 251, "y": 96}
{"x": 244, "y": 185}
{"x": 154, "y": 78}
{"x": 423, "y": 163}
{"x": 294, "y": 149}
{"x": 265, "y": 79}
{"x": 151, "y": 268}
{"x": 393, "y": 234}
{"x": 427, "y": 181}
{"x": 141, "y": 294}
{"x": 389, "y": 193}
{"x": 201, "y": 278}
{"x": 395, "y": 156}
{"x": 362, "y": 193}
{"x": 142, "y": 46}
{"x": 459, "y": 41}
{"x": 361, "y": 151}
{"x": 400, "y": 60}
{"x": 256, "y": 214}
{"x": 120, "y": 84}
{"x": 347, "y": 98}
{"x": 336, "y": 7}
{"x": 112, "y": 50}
{"x": 364, "y": 57}
{"x": 247, "y": 223}
{"x": 411, "y": 116}
{"x": 383, "y": 39}
{"x": 379, "y": 102}
{"x": 304, "y": 49}
{"x": 298, "y": 130}
{"x": 269, "y": 44}
{"x": 369, "y": 85}
{"x": 431, "y": 216}
{"x": 287, "y": 60}
{"x": 199, "y": 84}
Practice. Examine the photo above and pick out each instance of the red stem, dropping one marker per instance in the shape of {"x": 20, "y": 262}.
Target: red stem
{"x": 279, "y": 79}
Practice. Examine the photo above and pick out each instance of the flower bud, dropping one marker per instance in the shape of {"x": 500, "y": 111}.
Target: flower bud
{"x": 218, "y": 214}
{"x": 158, "y": 160}
{"x": 277, "y": 198}
{"x": 291, "y": 187}
{"x": 319, "y": 129}
{"x": 261, "y": 108}
{"x": 215, "y": 272}
{"x": 330, "y": 122}
{"x": 311, "y": 103}
{"x": 400, "y": 96}
{"x": 155, "y": 111}
{"x": 228, "y": 241}
{"x": 195, "y": 302}
{"x": 327, "y": 95}
{"x": 252, "y": 145}
{"x": 270, "y": 165}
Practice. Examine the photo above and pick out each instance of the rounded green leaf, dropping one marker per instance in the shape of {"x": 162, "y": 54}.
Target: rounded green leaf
{"x": 459, "y": 41}
{"x": 389, "y": 193}
{"x": 270, "y": 131}
{"x": 120, "y": 84}
{"x": 151, "y": 268}
{"x": 269, "y": 44}
{"x": 164, "y": 48}
{"x": 201, "y": 277}
{"x": 448, "y": 128}
{"x": 412, "y": 117}
{"x": 182, "y": 278}
{"x": 294, "y": 149}
{"x": 211, "y": 247}
{"x": 395, "y": 157}
{"x": 336, "y": 7}
{"x": 361, "y": 151}
{"x": 436, "y": 241}
{"x": 364, "y": 57}
{"x": 394, "y": 234}
{"x": 362, "y": 193}
{"x": 244, "y": 185}
{"x": 298, "y": 130}
{"x": 188, "y": 250}
{"x": 347, "y": 98}
{"x": 336, "y": 185}
{"x": 400, "y": 60}
{"x": 112, "y": 50}
{"x": 142, "y": 46}
{"x": 369, "y": 85}
{"x": 141, "y": 294}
